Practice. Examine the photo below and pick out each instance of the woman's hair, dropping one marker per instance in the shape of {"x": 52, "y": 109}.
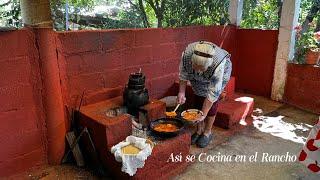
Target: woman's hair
{"x": 203, "y": 55}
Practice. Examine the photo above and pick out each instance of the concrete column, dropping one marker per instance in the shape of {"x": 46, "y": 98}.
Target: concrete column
{"x": 36, "y": 13}
{"x": 235, "y": 11}
{"x": 286, "y": 42}
{"x": 52, "y": 94}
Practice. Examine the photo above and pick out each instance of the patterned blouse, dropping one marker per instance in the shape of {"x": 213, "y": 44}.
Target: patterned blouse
{"x": 211, "y": 82}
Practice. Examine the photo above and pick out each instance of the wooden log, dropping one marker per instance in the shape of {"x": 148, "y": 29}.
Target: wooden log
{"x": 71, "y": 138}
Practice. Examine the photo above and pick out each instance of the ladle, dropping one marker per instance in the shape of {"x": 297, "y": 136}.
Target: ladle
{"x": 173, "y": 113}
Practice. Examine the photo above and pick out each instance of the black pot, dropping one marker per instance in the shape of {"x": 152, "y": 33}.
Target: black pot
{"x": 134, "y": 99}
{"x": 137, "y": 79}
{"x": 135, "y": 94}
{"x": 136, "y": 86}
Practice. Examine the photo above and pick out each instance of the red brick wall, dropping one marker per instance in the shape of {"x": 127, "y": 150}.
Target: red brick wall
{"x": 303, "y": 87}
{"x": 93, "y": 60}
{"x": 22, "y": 130}
{"x": 256, "y": 51}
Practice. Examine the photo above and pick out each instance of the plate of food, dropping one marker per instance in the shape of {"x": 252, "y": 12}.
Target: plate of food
{"x": 191, "y": 116}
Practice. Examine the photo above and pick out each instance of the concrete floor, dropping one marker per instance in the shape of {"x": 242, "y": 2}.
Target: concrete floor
{"x": 277, "y": 129}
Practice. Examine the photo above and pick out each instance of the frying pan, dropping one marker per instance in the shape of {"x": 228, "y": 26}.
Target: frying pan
{"x": 175, "y": 121}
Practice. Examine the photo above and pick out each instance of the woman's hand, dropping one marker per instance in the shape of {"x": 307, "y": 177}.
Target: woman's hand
{"x": 223, "y": 95}
{"x": 181, "y": 98}
{"x": 200, "y": 118}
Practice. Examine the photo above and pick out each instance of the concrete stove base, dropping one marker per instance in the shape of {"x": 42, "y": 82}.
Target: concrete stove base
{"x": 157, "y": 165}
{"x": 107, "y": 131}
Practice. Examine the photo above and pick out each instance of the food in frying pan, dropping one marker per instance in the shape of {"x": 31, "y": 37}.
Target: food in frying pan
{"x": 191, "y": 116}
{"x": 165, "y": 127}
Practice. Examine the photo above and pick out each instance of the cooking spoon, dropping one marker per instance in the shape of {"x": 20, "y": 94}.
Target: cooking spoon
{"x": 173, "y": 113}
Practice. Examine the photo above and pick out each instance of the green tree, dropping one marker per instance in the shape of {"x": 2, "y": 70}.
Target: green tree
{"x": 58, "y": 12}
{"x": 125, "y": 18}
{"x": 184, "y": 12}
{"x": 140, "y": 7}
{"x": 10, "y": 14}
{"x": 310, "y": 22}
{"x": 261, "y": 14}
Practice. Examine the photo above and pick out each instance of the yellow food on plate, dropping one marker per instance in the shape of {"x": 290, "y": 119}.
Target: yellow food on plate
{"x": 191, "y": 116}
{"x": 171, "y": 114}
{"x": 165, "y": 128}
{"x": 130, "y": 149}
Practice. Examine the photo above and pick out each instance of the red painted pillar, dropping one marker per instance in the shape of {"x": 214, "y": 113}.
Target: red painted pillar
{"x": 52, "y": 94}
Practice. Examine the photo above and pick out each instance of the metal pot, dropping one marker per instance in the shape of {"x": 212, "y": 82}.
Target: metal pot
{"x": 136, "y": 86}
{"x": 135, "y": 98}
{"x": 136, "y": 79}
{"x": 135, "y": 94}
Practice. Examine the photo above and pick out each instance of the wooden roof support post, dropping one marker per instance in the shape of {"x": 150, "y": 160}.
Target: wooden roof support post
{"x": 36, "y": 13}
{"x": 286, "y": 42}
{"x": 235, "y": 11}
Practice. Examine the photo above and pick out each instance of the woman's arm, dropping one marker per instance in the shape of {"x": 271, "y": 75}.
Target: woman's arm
{"x": 183, "y": 75}
{"x": 214, "y": 89}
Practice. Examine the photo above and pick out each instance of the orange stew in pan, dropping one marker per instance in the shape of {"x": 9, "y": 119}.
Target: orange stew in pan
{"x": 165, "y": 128}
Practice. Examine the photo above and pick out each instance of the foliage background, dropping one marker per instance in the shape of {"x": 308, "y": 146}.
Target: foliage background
{"x": 260, "y": 14}
{"x": 113, "y": 14}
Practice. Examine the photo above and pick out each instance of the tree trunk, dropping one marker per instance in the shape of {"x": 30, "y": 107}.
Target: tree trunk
{"x": 159, "y": 22}
{"x": 318, "y": 25}
{"x": 140, "y": 8}
{"x": 158, "y": 8}
{"x": 315, "y": 9}
{"x": 279, "y": 2}
{"x": 144, "y": 15}
{"x": 36, "y": 13}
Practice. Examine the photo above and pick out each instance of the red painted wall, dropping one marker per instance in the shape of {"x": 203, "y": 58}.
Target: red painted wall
{"x": 256, "y": 51}
{"x": 22, "y": 119}
{"x": 93, "y": 60}
{"x": 41, "y": 71}
{"x": 303, "y": 87}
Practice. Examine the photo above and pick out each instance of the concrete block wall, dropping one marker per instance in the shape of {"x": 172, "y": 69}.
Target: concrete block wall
{"x": 256, "y": 51}
{"x": 42, "y": 71}
{"x": 303, "y": 87}
{"x": 93, "y": 60}
{"x": 22, "y": 117}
